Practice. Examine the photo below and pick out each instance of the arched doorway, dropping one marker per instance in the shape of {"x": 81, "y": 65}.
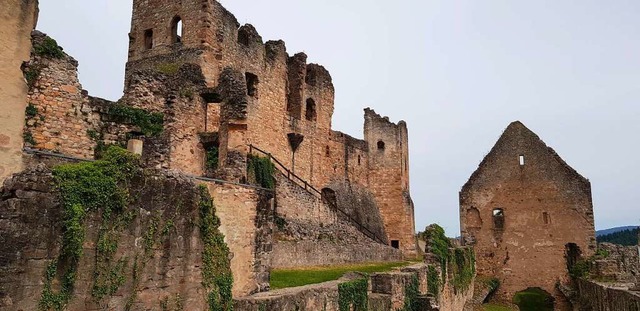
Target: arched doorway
{"x": 534, "y": 299}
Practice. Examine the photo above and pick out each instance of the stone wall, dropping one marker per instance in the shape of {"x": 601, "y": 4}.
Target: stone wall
{"x": 19, "y": 19}
{"x": 386, "y": 291}
{"x": 311, "y": 232}
{"x": 160, "y": 249}
{"x": 594, "y": 296}
{"x": 246, "y": 222}
{"x": 621, "y": 263}
{"x": 521, "y": 219}
{"x": 59, "y": 117}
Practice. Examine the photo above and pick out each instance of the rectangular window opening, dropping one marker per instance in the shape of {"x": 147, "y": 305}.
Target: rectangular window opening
{"x": 395, "y": 244}
{"x": 521, "y": 159}
{"x": 148, "y": 39}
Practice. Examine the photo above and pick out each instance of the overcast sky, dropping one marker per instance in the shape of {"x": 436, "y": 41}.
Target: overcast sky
{"x": 457, "y": 71}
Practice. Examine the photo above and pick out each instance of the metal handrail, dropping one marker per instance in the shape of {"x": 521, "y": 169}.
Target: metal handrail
{"x": 311, "y": 190}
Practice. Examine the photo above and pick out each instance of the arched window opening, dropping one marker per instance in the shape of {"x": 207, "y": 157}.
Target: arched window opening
{"x": 311, "y": 113}
{"x": 252, "y": 84}
{"x": 380, "y": 145}
{"x": 148, "y": 39}
{"x": 498, "y": 219}
{"x": 176, "y": 29}
{"x": 572, "y": 255}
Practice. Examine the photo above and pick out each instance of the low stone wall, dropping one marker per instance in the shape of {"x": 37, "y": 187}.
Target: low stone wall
{"x": 595, "y": 296}
{"x": 621, "y": 263}
{"x": 387, "y": 291}
{"x": 298, "y": 244}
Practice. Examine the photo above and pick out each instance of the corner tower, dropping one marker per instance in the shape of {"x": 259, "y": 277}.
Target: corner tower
{"x": 389, "y": 178}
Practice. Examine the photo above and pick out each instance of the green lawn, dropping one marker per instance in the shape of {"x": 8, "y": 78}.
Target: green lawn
{"x": 494, "y": 307}
{"x": 312, "y": 275}
{"x": 533, "y": 299}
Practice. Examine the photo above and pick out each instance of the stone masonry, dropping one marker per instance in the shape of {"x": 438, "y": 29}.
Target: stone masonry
{"x": 526, "y": 213}
{"x": 18, "y": 20}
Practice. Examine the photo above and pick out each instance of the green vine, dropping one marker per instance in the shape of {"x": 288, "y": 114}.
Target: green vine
{"x": 150, "y": 123}
{"x": 48, "y": 48}
{"x": 212, "y": 158}
{"x": 463, "y": 268}
{"x": 433, "y": 281}
{"x": 438, "y": 244}
{"x": 85, "y": 187}
{"x": 411, "y": 292}
{"x": 216, "y": 271}
{"x": 32, "y": 74}
{"x": 353, "y": 295}
{"x": 260, "y": 170}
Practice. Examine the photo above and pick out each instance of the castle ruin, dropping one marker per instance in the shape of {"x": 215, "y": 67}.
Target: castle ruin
{"x": 528, "y": 216}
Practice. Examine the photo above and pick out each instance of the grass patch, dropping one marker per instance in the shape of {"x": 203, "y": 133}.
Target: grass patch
{"x": 283, "y": 278}
{"x": 495, "y": 307}
{"x": 533, "y": 299}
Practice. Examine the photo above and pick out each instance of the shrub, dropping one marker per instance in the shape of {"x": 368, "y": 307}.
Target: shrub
{"x": 48, "y": 48}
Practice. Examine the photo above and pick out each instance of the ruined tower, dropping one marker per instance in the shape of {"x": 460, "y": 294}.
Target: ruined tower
{"x": 245, "y": 92}
{"x": 527, "y": 214}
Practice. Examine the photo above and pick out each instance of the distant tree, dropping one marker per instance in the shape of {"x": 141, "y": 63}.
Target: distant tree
{"x": 624, "y": 237}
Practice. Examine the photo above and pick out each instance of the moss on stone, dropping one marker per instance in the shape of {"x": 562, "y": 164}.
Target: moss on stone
{"x": 353, "y": 295}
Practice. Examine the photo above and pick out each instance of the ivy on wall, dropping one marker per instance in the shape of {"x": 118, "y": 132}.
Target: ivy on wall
{"x": 353, "y": 295}
{"x": 411, "y": 292}
{"x": 150, "y": 123}
{"x": 216, "y": 271}
{"x": 433, "y": 281}
{"x": 87, "y": 187}
{"x": 260, "y": 171}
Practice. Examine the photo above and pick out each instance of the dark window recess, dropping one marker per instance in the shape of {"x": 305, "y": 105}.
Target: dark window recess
{"x": 311, "y": 113}
{"x": 380, "y": 145}
{"x": 358, "y": 159}
{"x": 148, "y": 39}
{"x": 243, "y": 36}
{"x": 546, "y": 218}
{"x": 498, "y": 219}
{"x": 176, "y": 30}
{"x": 327, "y": 151}
{"x": 395, "y": 244}
{"x": 252, "y": 84}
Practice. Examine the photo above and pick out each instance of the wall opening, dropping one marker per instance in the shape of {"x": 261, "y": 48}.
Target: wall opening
{"x": 358, "y": 159}
{"x": 176, "y": 30}
{"x": 473, "y": 219}
{"x": 148, "y": 39}
{"x": 498, "y": 219}
{"x": 311, "y": 113}
{"x": 327, "y": 151}
{"x": 395, "y": 244}
{"x": 252, "y": 84}
{"x": 572, "y": 254}
{"x": 380, "y": 145}
{"x": 521, "y": 160}
{"x": 545, "y": 218}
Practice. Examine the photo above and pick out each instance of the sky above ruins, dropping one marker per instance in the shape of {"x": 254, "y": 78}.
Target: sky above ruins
{"x": 457, "y": 71}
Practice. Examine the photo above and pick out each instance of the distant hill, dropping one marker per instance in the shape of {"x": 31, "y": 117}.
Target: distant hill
{"x": 614, "y": 230}
{"x": 622, "y": 237}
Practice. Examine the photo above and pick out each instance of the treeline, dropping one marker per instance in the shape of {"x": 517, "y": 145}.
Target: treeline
{"x": 624, "y": 237}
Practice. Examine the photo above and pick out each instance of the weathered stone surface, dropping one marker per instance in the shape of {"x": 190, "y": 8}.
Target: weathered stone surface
{"x": 161, "y": 247}
{"x": 596, "y": 296}
{"x": 19, "y": 18}
{"x": 520, "y": 210}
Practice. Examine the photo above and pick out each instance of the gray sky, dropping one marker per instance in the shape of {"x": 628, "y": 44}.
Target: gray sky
{"x": 457, "y": 71}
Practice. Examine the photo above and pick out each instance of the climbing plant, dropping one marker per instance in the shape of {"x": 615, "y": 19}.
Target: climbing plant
{"x": 216, "y": 271}
{"x": 260, "y": 170}
{"x": 433, "y": 281}
{"x": 150, "y": 123}
{"x": 353, "y": 296}
{"x": 411, "y": 292}
{"x": 48, "y": 47}
{"x": 86, "y": 187}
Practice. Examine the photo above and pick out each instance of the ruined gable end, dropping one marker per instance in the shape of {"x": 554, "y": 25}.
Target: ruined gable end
{"x": 525, "y": 211}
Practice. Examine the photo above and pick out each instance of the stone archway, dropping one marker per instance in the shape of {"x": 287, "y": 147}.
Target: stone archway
{"x": 534, "y": 299}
